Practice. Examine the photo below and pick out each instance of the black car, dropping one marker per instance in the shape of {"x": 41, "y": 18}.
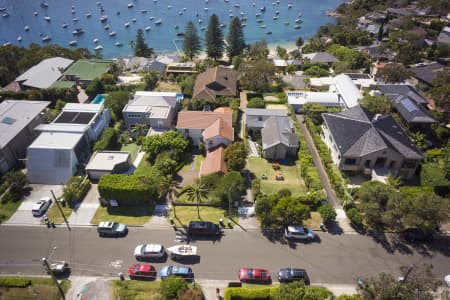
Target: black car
{"x": 292, "y": 274}
{"x": 202, "y": 228}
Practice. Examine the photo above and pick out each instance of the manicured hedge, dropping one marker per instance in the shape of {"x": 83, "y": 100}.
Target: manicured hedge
{"x": 128, "y": 189}
{"x": 432, "y": 174}
{"x": 14, "y": 282}
{"x": 250, "y": 293}
{"x": 107, "y": 140}
{"x": 307, "y": 169}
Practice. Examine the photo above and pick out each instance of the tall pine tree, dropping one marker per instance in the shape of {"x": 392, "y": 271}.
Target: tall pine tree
{"x": 235, "y": 39}
{"x": 191, "y": 41}
{"x": 140, "y": 47}
{"x": 214, "y": 38}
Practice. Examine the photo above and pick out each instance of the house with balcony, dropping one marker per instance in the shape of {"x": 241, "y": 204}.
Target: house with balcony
{"x": 362, "y": 142}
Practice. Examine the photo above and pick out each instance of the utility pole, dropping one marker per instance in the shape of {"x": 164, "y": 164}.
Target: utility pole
{"x": 229, "y": 203}
{"x": 48, "y": 270}
{"x": 60, "y": 210}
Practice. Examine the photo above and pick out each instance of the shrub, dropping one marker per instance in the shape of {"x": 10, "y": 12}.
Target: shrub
{"x": 431, "y": 174}
{"x": 235, "y": 155}
{"x": 327, "y": 212}
{"x": 75, "y": 189}
{"x": 354, "y": 216}
{"x": 128, "y": 189}
{"x": 172, "y": 287}
{"x": 256, "y": 187}
{"x": 250, "y": 293}
{"x": 107, "y": 140}
{"x": 256, "y": 103}
{"x": 14, "y": 282}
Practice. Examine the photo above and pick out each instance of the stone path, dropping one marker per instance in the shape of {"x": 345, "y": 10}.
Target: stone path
{"x": 159, "y": 217}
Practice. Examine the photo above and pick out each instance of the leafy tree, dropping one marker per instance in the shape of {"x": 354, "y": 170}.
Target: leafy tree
{"x": 151, "y": 80}
{"x": 13, "y": 182}
{"x": 187, "y": 85}
{"x": 355, "y": 58}
{"x": 418, "y": 284}
{"x": 316, "y": 71}
{"x": 376, "y": 104}
{"x": 191, "y": 41}
{"x": 139, "y": 129}
{"x": 196, "y": 192}
{"x": 327, "y": 212}
{"x": 349, "y": 297}
{"x": 165, "y": 164}
{"x": 441, "y": 90}
{"x": 394, "y": 73}
{"x": 116, "y": 101}
{"x": 231, "y": 185}
{"x": 299, "y": 43}
{"x": 256, "y": 103}
{"x": 172, "y": 141}
{"x": 257, "y": 75}
{"x": 235, "y": 155}
{"x": 140, "y": 46}
{"x": 172, "y": 287}
{"x": 282, "y": 52}
{"x": 214, "y": 38}
{"x": 235, "y": 39}
{"x": 258, "y": 50}
{"x": 95, "y": 87}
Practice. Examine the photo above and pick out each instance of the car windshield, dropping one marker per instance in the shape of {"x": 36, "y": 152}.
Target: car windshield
{"x": 250, "y": 273}
{"x": 136, "y": 269}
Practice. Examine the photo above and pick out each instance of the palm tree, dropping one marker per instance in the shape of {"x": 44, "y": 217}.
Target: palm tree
{"x": 197, "y": 192}
{"x": 168, "y": 188}
{"x": 139, "y": 129}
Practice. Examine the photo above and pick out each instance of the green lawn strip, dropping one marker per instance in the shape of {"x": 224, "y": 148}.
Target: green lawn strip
{"x": 292, "y": 180}
{"x": 54, "y": 215}
{"x": 40, "y": 288}
{"x": 133, "y": 289}
{"x": 144, "y": 167}
{"x": 133, "y": 215}
{"x": 132, "y": 148}
{"x": 8, "y": 209}
{"x": 185, "y": 214}
{"x": 198, "y": 161}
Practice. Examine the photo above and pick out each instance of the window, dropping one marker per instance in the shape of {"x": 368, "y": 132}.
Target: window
{"x": 260, "y": 118}
{"x": 350, "y": 161}
{"x": 409, "y": 165}
{"x": 367, "y": 163}
{"x": 186, "y": 130}
{"x": 210, "y": 142}
{"x": 134, "y": 116}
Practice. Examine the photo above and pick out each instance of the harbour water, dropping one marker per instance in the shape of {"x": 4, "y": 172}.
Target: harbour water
{"x": 276, "y": 21}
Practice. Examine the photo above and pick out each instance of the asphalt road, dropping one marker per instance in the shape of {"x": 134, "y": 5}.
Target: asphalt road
{"x": 337, "y": 259}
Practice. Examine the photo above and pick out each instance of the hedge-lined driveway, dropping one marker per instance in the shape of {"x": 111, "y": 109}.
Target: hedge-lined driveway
{"x": 83, "y": 214}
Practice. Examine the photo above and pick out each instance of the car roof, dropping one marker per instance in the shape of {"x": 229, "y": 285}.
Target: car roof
{"x": 106, "y": 224}
{"x": 180, "y": 270}
{"x": 297, "y": 229}
{"x": 144, "y": 267}
{"x": 152, "y": 248}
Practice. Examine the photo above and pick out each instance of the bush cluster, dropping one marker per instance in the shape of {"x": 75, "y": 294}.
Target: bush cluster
{"x": 107, "y": 140}
{"x": 128, "y": 189}
{"x": 250, "y": 293}
{"x": 307, "y": 169}
{"x": 14, "y": 282}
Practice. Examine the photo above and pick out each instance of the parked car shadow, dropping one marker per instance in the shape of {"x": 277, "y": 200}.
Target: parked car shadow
{"x": 334, "y": 228}
{"x": 190, "y": 260}
{"x": 153, "y": 259}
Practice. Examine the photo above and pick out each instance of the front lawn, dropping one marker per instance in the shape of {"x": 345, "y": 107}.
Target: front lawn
{"x": 132, "y": 215}
{"x": 189, "y": 160}
{"x": 133, "y": 289}
{"x": 8, "y": 209}
{"x": 39, "y": 288}
{"x": 185, "y": 214}
{"x": 132, "y": 148}
{"x": 144, "y": 168}
{"x": 292, "y": 179}
{"x": 54, "y": 215}
{"x": 314, "y": 221}
{"x": 165, "y": 86}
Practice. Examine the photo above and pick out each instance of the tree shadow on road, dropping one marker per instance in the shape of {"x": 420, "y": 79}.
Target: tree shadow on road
{"x": 334, "y": 228}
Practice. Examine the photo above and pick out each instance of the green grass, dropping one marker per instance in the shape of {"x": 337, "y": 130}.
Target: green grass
{"x": 54, "y": 215}
{"x": 314, "y": 221}
{"x": 40, "y": 288}
{"x": 292, "y": 179}
{"x": 189, "y": 159}
{"x": 144, "y": 168}
{"x": 134, "y": 215}
{"x": 133, "y": 289}
{"x": 132, "y": 148}
{"x": 207, "y": 213}
{"x": 8, "y": 209}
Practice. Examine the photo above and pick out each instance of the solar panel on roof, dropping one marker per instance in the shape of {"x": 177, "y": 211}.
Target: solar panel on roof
{"x": 409, "y": 105}
{"x": 8, "y": 120}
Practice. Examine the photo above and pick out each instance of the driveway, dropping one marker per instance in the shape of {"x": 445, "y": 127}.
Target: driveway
{"x": 83, "y": 214}
{"x": 23, "y": 214}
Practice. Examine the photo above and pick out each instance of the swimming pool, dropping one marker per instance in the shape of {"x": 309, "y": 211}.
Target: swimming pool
{"x": 99, "y": 99}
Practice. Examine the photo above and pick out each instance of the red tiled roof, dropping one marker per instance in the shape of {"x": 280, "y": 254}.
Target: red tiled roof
{"x": 214, "y": 162}
{"x": 219, "y": 128}
{"x": 201, "y": 119}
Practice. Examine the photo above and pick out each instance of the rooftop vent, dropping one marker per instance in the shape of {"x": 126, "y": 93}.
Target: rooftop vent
{"x": 8, "y": 120}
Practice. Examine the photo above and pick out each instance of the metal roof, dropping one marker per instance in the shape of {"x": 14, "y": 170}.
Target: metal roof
{"x": 23, "y": 112}
{"x": 45, "y": 73}
{"x": 56, "y": 140}
{"x": 107, "y": 160}
{"x": 348, "y": 90}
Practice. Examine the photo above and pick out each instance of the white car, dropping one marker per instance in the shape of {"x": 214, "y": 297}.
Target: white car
{"x": 299, "y": 233}
{"x": 149, "y": 251}
{"x": 40, "y": 207}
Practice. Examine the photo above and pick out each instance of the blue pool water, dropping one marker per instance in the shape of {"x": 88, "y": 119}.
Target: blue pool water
{"x": 99, "y": 99}
{"x": 278, "y": 17}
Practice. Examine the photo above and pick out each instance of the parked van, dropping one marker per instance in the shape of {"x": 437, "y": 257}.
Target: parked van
{"x": 202, "y": 228}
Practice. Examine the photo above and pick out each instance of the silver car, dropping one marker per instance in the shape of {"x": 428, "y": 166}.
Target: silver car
{"x": 40, "y": 207}
{"x": 149, "y": 251}
{"x": 299, "y": 233}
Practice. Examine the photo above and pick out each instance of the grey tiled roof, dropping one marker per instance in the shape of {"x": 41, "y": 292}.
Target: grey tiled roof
{"x": 412, "y": 112}
{"x": 357, "y": 133}
{"x": 320, "y": 57}
{"x": 394, "y": 90}
{"x": 278, "y": 130}
{"x": 428, "y": 72}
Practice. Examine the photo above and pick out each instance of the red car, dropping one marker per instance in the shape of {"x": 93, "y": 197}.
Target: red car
{"x": 254, "y": 275}
{"x": 142, "y": 271}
